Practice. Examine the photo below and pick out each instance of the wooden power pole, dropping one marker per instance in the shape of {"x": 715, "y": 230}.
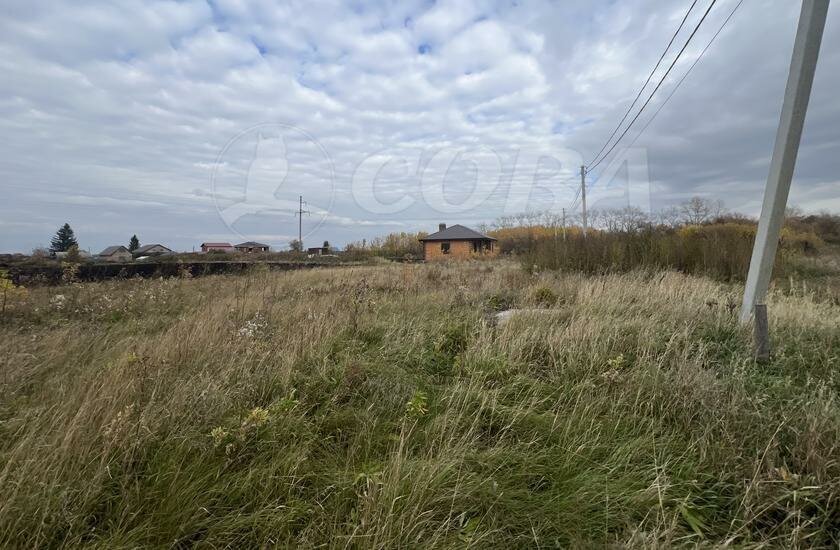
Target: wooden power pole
{"x": 806, "y": 49}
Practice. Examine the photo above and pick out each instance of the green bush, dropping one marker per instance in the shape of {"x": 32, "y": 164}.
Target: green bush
{"x": 500, "y": 301}
{"x": 544, "y": 296}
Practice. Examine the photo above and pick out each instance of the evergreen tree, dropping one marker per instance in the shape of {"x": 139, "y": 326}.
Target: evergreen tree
{"x": 64, "y": 239}
{"x": 133, "y": 244}
{"x": 327, "y": 246}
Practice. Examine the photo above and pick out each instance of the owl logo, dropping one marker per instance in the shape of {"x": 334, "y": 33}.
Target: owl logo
{"x": 263, "y": 169}
{"x": 267, "y": 171}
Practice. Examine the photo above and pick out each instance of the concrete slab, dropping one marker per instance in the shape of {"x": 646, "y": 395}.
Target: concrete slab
{"x": 503, "y": 317}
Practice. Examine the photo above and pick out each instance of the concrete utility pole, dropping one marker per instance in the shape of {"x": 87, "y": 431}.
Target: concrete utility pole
{"x": 564, "y": 224}
{"x": 300, "y": 214}
{"x": 806, "y": 49}
{"x": 583, "y": 196}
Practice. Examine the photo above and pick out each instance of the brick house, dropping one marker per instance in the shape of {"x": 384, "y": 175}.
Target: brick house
{"x": 251, "y": 246}
{"x": 457, "y": 243}
{"x": 216, "y": 247}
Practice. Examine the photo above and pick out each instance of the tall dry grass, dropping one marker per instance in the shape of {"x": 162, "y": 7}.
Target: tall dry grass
{"x": 718, "y": 250}
{"x": 379, "y": 407}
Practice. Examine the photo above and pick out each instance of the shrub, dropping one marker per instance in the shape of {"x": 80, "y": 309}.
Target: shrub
{"x": 827, "y": 226}
{"x": 500, "y": 301}
{"x": 544, "y": 296}
{"x": 722, "y": 250}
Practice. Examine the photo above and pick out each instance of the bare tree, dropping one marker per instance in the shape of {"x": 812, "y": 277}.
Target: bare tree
{"x": 505, "y": 222}
{"x": 632, "y": 218}
{"x": 671, "y": 216}
{"x": 594, "y": 218}
{"x": 697, "y": 210}
{"x": 793, "y": 211}
{"x": 551, "y": 219}
{"x": 608, "y": 219}
{"x": 628, "y": 219}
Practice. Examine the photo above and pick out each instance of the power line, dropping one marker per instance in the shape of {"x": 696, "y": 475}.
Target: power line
{"x": 642, "y": 89}
{"x": 575, "y": 200}
{"x": 661, "y": 81}
{"x": 676, "y": 87}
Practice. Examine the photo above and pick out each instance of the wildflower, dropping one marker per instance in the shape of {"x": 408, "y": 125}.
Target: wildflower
{"x": 253, "y": 327}
{"x": 219, "y": 435}
{"x": 116, "y": 425}
{"x": 58, "y": 302}
{"x": 257, "y": 417}
{"x": 616, "y": 362}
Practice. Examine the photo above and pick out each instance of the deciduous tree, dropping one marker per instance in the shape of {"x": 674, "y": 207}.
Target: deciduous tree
{"x": 697, "y": 210}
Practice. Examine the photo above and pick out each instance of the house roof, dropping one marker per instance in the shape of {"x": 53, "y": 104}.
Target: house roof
{"x": 147, "y": 247}
{"x": 252, "y": 244}
{"x": 218, "y": 244}
{"x": 457, "y": 233}
{"x": 112, "y": 250}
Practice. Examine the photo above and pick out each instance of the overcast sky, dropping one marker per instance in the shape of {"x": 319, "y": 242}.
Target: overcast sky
{"x": 196, "y": 121}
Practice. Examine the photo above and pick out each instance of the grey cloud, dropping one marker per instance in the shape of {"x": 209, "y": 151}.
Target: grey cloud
{"x": 114, "y": 117}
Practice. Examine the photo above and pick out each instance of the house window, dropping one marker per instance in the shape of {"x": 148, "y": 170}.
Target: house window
{"x": 479, "y": 247}
{"x": 444, "y": 248}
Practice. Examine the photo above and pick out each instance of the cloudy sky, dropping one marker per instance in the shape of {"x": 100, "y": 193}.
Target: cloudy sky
{"x": 204, "y": 120}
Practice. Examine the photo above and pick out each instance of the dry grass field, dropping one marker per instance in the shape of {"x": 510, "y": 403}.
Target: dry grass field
{"x": 378, "y": 407}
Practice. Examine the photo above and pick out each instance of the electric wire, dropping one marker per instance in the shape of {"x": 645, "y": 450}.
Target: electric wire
{"x": 642, "y": 89}
{"x": 676, "y": 87}
{"x": 659, "y": 85}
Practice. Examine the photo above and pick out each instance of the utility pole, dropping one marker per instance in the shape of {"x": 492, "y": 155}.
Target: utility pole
{"x": 806, "y": 49}
{"x": 300, "y": 214}
{"x": 564, "y": 225}
{"x": 583, "y": 196}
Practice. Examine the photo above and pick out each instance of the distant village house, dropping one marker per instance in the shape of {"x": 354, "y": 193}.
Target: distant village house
{"x": 216, "y": 247}
{"x": 115, "y": 253}
{"x": 152, "y": 250}
{"x": 457, "y": 243}
{"x": 61, "y": 255}
{"x": 251, "y": 246}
